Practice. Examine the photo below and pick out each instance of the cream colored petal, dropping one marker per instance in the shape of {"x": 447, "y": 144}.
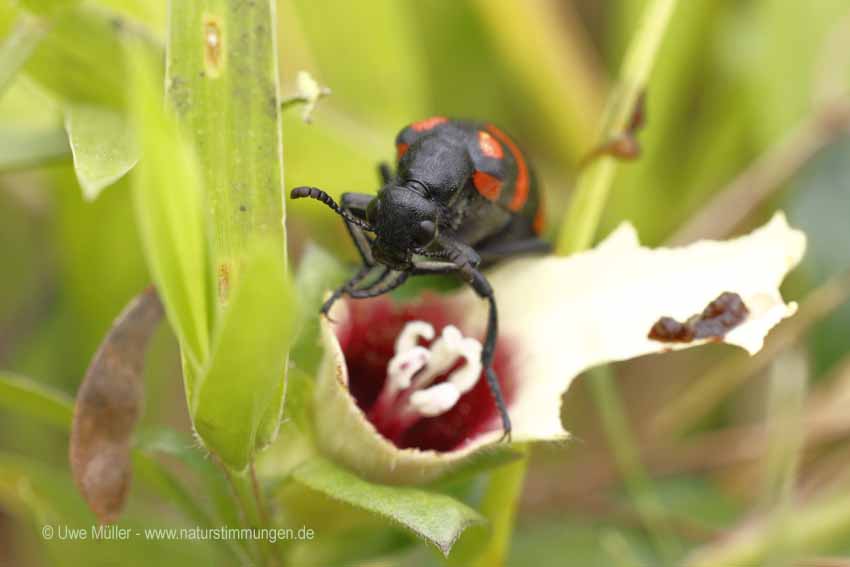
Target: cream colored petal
{"x": 563, "y": 316}
{"x": 566, "y": 315}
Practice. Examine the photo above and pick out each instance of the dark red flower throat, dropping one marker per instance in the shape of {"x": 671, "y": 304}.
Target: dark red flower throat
{"x": 367, "y": 338}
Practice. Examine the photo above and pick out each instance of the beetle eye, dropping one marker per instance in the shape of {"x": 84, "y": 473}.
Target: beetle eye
{"x": 425, "y": 233}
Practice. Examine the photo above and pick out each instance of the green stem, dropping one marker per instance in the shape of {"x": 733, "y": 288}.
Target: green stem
{"x": 809, "y": 528}
{"x": 624, "y": 448}
{"x": 222, "y": 80}
{"x": 499, "y": 507}
{"x": 505, "y": 488}
{"x": 577, "y": 234}
{"x": 582, "y": 219}
{"x": 15, "y": 50}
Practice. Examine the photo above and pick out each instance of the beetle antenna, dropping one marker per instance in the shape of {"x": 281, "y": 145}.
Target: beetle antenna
{"x": 319, "y": 195}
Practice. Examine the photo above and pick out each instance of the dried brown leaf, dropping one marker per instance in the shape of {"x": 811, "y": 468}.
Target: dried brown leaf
{"x": 108, "y": 405}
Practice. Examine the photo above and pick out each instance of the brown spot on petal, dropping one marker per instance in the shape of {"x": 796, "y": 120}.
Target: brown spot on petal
{"x": 718, "y": 318}
{"x": 108, "y": 406}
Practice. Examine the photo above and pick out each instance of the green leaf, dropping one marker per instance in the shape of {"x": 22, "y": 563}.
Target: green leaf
{"x": 247, "y": 372}
{"x": 169, "y": 213}
{"x": 318, "y": 272}
{"x": 102, "y": 145}
{"x": 48, "y": 6}
{"x": 29, "y": 398}
{"x": 482, "y": 461}
{"x": 437, "y": 518}
{"x": 45, "y": 495}
{"x": 222, "y": 82}
{"x": 498, "y": 504}
{"x": 18, "y": 46}
{"x": 299, "y": 400}
{"x": 81, "y": 60}
{"x": 31, "y": 132}
{"x": 155, "y": 441}
{"x": 21, "y": 149}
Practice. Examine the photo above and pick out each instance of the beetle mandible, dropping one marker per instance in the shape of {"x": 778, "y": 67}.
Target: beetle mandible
{"x": 463, "y": 197}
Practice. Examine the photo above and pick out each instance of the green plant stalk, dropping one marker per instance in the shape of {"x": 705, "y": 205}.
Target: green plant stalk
{"x": 499, "y": 506}
{"x": 43, "y": 404}
{"x": 15, "y": 50}
{"x": 809, "y": 529}
{"x": 221, "y": 78}
{"x": 625, "y": 452}
{"x": 578, "y": 231}
{"x": 786, "y": 399}
{"x": 594, "y": 184}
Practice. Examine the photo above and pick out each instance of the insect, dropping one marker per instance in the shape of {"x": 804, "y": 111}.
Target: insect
{"x": 462, "y": 197}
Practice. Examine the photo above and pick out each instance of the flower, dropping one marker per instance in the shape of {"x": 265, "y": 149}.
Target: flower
{"x": 400, "y": 396}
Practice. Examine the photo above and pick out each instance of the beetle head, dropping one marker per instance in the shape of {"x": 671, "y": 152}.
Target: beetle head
{"x": 405, "y": 223}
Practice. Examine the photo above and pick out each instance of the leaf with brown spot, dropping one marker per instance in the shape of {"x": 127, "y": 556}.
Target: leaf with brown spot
{"x": 108, "y": 405}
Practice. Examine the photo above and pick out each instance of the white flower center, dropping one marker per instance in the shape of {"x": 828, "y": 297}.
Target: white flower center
{"x": 414, "y": 368}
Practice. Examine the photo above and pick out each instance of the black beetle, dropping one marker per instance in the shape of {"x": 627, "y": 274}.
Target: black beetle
{"x": 462, "y": 197}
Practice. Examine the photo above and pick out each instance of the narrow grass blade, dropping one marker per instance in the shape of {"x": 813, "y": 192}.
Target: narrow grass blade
{"x": 579, "y": 226}
{"x": 169, "y": 213}
{"x": 18, "y": 46}
{"x": 29, "y": 398}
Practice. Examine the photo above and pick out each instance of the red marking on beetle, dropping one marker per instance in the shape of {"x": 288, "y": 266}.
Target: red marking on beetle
{"x": 489, "y": 186}
{"x": 428, "y": 123}
{"x": 401, "y": 149}
{"x": 539, "y": 219}
{"x": 489, "y": 146}
{"x": 522, "y": 179}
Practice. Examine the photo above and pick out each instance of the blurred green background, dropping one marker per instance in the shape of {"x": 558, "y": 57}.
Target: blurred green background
{"x": 752, "y": 95}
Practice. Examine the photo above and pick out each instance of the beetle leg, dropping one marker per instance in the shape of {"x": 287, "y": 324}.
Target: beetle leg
{"x": 482, "y": 287}
{"x": 356, "y": 204}
{"x": 430, "y": 267}
{"x": 466, "y": 269}
{"x": 386, "y": 281}
{"x": 385, "y": 173}
{"x": 385, "y": 284}
{"x": 346, "y": 287}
